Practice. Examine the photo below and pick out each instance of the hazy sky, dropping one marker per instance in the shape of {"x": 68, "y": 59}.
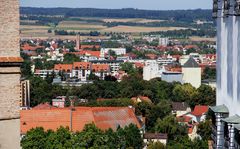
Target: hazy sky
{"x": 141, "y": 4}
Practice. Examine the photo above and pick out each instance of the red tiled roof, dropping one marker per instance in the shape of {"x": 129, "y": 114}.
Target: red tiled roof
{"x": 82, "y": 65}
{"x": 86, "y": 52}
{"x": 190, "y": 130}
{"x": 200, "y": 110}
{"x": 90, "y": 46}
{"x": 43, "y": 106}
{"x": 139, "y": 65}
{"x": 184, "y": 118}
{"x": 63, "y": 67}
{"x": 103, "y": 117}
{"x": 151, "y": 56}
{"x": 100, "y": 67}
{"x": 11, "y": 60}
{"x": 27, "y": 47}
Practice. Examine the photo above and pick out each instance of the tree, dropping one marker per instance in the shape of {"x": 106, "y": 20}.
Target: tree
{"x": 209, "y": 73}
{"x": 110, "y": 78}
{"x": 128, "y": 67}
{"x": 156, "y": 145}
{"x": 38, "y": 64}
{"x": 40, "y": 91}
{"x": 204, "y": 129}
{"x": 170, "y": 126}
{"x": 186, "y": 143}
{"x": 184, "y": 93}
{"x": 26, "y": 69}
{"x": 35, "y": 138}
{"x": 61, "y": 139}
{"x": 70, "y": 58}
{"x": 133, "y": 137}
{"x": 205, "y": 96}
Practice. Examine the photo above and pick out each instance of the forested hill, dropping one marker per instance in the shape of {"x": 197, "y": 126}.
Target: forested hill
{"x": 177, "y": 15}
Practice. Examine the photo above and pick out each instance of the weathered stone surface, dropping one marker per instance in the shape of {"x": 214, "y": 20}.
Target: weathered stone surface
{"x": 9, "y": 28}
{"x": 9, "y": 76}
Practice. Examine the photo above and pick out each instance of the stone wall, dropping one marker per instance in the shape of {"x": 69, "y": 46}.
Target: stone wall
{"x": 9, "y": 28}
{"x": 10, "y": 92}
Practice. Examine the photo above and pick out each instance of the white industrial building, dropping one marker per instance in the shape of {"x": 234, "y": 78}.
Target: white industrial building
{"x": 225, "y": 115}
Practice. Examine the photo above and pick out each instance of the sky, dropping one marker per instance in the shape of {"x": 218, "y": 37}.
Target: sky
{"x": 113, "y": 4}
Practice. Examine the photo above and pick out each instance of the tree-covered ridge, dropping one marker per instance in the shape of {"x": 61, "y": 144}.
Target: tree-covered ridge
{"x": 178, "y": 15}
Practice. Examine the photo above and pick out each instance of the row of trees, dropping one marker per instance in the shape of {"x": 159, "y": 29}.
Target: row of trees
{"x": 179, "y": 15}
{"x": 91, "y": 137}
{"x": 130, "y": 86}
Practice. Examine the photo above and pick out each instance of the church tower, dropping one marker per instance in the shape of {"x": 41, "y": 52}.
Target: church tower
{"x": 10, "y": 62}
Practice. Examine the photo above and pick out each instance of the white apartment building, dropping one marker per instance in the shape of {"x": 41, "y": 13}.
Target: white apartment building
{"x": 166, "y": 60}
{"x": 151, "y": 70}
{"x": 118, "y": 51}
{"x": 163, "y": 41}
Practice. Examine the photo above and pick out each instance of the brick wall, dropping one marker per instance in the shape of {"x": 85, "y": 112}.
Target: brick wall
{"x": 9, "y": 28}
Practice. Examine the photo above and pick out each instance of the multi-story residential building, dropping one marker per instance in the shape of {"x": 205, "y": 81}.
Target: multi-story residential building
{"x": 81, "y": 70}
{"x": 114, "y": 64}
{"x": 101, "y": 70}
{"x": 225, "y": 115}
{"x": 43, "y": 73}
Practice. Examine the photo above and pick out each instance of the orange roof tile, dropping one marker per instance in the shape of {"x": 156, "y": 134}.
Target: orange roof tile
{"x": 103, "y": 117}
{"x": 86, "y": 52}
{"x": 100, "y": 67}
{"x": 190, "y": 130}
{"x": 63, "y": 67}
{"x": 184, "y": 118}
{"x": 139, "y": 65}
{"x": 90, "y": 46}
{"x": 27, "y": 47}
{"x": 82, "y": 65}
{"x": 43, "y": 106}
{"x": 11, "y": 60}
{"x": 200, "y": 110}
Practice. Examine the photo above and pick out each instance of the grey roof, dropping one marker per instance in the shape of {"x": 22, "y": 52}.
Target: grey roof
{"x": 232, "y": 119}
{"x": 219, "y": 109}
{"x": 179, "y": 106}
{"x": 155, "y": 136}
{"x": 191, "y": 63}
{"x": 237, "y": 126}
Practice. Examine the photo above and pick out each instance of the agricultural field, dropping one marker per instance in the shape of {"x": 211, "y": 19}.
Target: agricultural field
{"x": 85, "y": 25}
{"x": 137, "y": 29}
{"x": 196, "y": 38}
{"x": 136, "y": 20}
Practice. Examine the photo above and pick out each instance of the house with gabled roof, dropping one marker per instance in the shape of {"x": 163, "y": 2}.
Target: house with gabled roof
{"x": 76, "y": 118}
